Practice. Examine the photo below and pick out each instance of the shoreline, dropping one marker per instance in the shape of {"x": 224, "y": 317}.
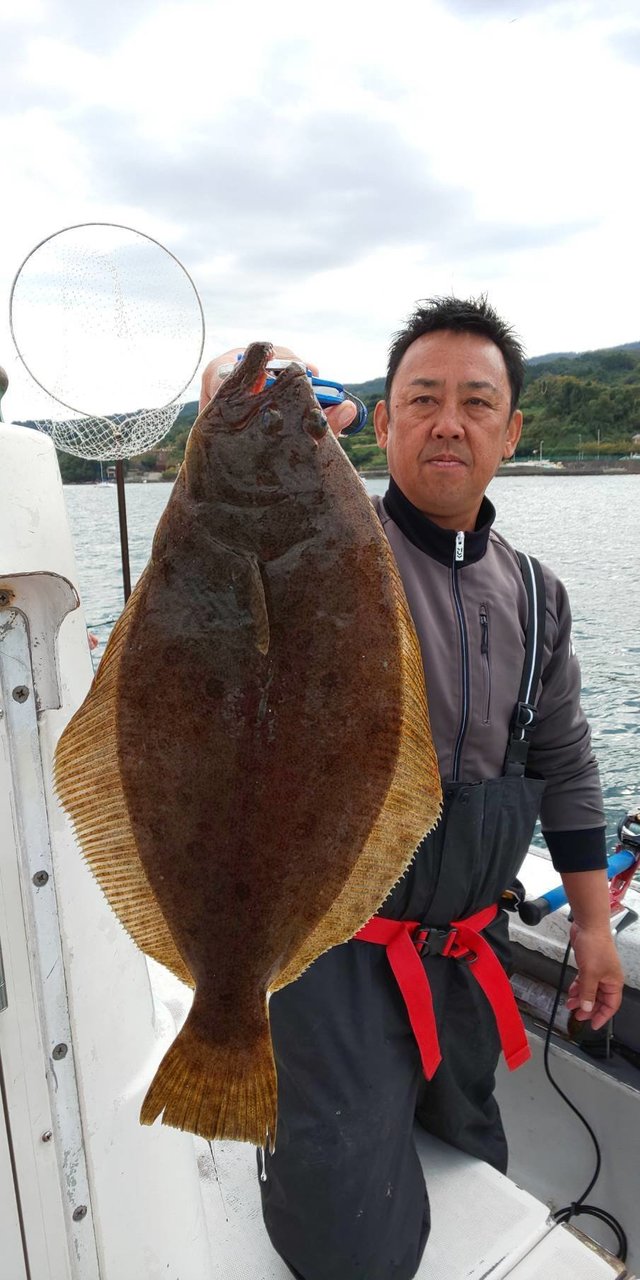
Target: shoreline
{"x": 623, "y": 467}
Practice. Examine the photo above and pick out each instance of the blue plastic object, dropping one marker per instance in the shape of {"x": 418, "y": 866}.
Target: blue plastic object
{"x": 327, "y": 392}
{"x": 533, "y": 910}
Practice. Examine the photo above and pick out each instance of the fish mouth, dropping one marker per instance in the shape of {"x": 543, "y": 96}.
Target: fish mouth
{"x": 245, "y": 396}
{"x": 251, "y": 375}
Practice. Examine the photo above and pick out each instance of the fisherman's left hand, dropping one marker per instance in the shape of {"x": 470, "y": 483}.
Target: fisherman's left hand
{"x": 596, "y": 994}
{"x": 339, "y": 417}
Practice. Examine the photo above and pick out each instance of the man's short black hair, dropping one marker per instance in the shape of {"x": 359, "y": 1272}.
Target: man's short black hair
{"x": 470, "y": 315}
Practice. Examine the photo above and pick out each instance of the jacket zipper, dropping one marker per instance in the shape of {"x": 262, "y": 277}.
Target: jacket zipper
{"x": 464, "y": 649}
{"x": 486, "y": 664}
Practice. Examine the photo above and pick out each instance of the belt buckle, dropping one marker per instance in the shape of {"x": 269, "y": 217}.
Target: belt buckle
{"x": 433, "y": 942}
{"x": 441, "y": 942}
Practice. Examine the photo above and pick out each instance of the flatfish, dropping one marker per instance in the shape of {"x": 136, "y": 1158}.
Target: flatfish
{"x": 252, "y": 769}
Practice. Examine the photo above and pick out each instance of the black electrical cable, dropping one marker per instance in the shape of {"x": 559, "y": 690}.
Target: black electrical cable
{"x": 578, "y": 1206}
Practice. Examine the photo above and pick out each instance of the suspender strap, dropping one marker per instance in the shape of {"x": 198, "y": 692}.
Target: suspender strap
{"x": 407, "y": 940}
{"x": 525, "y": 713}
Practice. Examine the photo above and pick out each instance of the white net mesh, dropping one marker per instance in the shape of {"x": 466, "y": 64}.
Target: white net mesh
{"x": 109, "y": 325}
{"x": 108, "y": 439}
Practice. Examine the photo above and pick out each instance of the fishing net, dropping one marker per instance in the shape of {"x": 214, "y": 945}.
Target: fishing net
{"x": 109, "y": 325}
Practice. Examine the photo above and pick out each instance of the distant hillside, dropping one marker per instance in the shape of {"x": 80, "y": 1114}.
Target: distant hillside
{"x": 606, "y": 361}
{"x": 575, "y": 404}
{"x": 374, "y": 387}
{"x": 573, "y": 355}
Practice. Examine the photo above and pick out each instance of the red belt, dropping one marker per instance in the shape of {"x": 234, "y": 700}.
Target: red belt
{"x": 406, "y": 940}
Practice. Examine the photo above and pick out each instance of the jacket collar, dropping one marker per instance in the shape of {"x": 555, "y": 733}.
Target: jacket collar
{"x": 439, "y": 543}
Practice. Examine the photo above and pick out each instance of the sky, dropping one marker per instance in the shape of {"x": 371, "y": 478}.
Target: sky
{"x": 316, "y": 173}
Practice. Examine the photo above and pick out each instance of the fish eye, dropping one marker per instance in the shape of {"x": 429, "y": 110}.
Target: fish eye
{"x": 271, "y": 419}
{"x": 315, "y": 424}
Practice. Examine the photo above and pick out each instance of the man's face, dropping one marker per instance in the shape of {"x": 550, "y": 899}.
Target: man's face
{"x": 449, "y": 424}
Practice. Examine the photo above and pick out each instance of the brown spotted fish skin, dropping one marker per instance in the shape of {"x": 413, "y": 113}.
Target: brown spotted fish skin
{"x": 252, "y": 769}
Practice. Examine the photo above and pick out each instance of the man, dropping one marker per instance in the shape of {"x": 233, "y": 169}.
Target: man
{"x": 344, "y": 1195}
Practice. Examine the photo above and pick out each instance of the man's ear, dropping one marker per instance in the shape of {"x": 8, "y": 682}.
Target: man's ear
{"x": 381, "y": 423}
{"x": 514, "y": 431}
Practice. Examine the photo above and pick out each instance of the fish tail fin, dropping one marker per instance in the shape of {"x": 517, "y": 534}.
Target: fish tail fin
{"x": 214, "y": 1090}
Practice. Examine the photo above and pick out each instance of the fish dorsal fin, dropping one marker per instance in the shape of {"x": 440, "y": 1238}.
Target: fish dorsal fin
{"x": 89, "y": 786}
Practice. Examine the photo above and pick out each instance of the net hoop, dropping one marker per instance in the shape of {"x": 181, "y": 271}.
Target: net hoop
{"x": 77, "y": 226}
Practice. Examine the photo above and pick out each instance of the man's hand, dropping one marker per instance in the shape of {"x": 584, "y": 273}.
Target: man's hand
{"x": 339, "y": 416}
{"x": 596, "y": 993}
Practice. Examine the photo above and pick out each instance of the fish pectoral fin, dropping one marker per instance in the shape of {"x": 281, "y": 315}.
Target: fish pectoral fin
{"x": 256, "y": 602}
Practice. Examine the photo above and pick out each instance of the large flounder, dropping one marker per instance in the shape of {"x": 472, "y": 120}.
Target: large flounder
{"x": 252, "y": 769}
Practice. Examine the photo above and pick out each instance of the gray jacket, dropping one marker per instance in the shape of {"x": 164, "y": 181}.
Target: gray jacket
{"x": 470, "y": 615}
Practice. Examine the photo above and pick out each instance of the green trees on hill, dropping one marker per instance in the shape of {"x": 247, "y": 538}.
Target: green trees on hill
{"x": 570, "y": 414}
{"x": 581, "y": 404}
{"x": 576, "y": 404}
{"x": 77, "y": 470}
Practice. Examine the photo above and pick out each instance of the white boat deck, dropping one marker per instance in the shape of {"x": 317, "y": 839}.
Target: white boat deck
{"x": 483, "y": 1224}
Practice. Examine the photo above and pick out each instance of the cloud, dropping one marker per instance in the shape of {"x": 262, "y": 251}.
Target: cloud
{"x": 627, "y": 44}
{"x": 96, "y": 26}
{"x": 300, "y": 195}
{"x": 510, "y": 10}
{"x": 505, "y": 239}
{"x": 286, "y": 202}
{"x": 17, "y": 90}
{"x": 314, "y": 184}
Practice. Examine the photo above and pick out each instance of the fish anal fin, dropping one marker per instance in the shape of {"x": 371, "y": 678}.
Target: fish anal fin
{"x": 216, "y": 1090}
{"x": 89, "y": 786}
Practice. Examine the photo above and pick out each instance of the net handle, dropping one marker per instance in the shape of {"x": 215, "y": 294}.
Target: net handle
{"x": 119, "y": 226}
